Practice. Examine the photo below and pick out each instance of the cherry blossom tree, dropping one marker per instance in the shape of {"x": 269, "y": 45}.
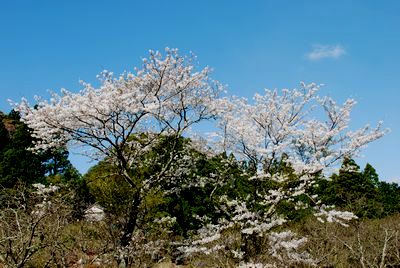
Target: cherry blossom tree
{"x": 291, "y": 138}
{"x": 125, "y": 117}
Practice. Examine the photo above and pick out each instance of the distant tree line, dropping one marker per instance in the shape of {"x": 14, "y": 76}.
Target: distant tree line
{"x": 360, "y": 191}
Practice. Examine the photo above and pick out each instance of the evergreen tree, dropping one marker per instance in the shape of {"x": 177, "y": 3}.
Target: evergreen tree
{"x": 18, "y": 163}
{"x": 389, "y": 195}
{"x": 58, "y": 167}
{"x": 353, "y": 190}
{"x": 370, "y": 175}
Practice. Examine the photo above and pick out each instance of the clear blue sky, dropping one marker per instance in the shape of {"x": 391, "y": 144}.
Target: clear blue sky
{"x": 350, "y": 46}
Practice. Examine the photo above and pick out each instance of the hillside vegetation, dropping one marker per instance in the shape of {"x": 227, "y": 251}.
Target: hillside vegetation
{"x": 40, "y": 227}
{"x": 251, "y": 194}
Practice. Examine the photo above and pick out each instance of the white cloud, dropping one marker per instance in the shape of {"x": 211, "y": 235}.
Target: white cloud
{"x": 326, "y": 51}
{"x": 395, "y": 180}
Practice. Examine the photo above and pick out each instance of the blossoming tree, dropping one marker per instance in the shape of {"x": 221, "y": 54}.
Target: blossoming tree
{"x": 165, "y": 97}
{"x": 290, "y": 138}
{"x": 295, "y": 128}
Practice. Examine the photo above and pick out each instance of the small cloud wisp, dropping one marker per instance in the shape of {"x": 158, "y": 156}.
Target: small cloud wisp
{"x": 326, "y": 51}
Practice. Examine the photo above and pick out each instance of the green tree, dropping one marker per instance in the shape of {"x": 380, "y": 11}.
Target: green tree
{"x": 389, "y": 196}
{"x": 18, "y": 163}
{"x": 353, "y": 190}
{"x": 57, "y": 166}
{"x": 369, "y": 174}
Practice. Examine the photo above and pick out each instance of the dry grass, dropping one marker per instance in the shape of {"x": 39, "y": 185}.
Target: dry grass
{"x": 369, "y": 243}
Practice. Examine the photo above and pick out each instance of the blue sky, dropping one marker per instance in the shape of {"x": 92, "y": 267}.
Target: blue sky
{"x": 350, "y": 46}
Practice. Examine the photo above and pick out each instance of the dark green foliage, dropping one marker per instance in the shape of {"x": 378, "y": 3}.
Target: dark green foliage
{"x": 352, "y": 190}
{"x": 18, "y": 163}
{"x": 389, "y": 196}
{"x": 370, "y": 175}
{"x": 4, "y": 139}
{"x": 360, "y": 191}
{"x": 81, "y": 198}
{"x": 57, "y": 166}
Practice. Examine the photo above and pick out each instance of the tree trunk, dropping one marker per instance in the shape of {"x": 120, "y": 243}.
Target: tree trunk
{"x": 123, "y": 259}
{"x": 131, "y": 223}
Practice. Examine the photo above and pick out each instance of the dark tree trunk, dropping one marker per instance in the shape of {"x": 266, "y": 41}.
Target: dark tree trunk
{"x": 132, "y": 222}
{"x": 123, "y": 260}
